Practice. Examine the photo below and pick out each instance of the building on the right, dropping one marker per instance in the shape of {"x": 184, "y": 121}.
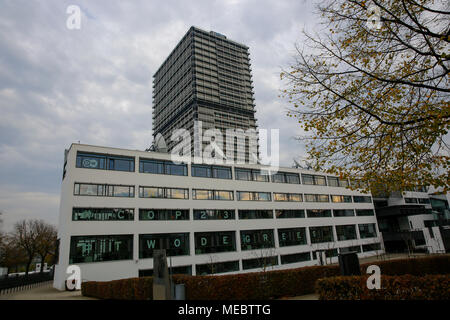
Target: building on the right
{"x": 414, "y": 221}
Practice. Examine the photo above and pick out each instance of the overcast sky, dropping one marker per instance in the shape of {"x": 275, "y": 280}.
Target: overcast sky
{"x": 94, "y": 85}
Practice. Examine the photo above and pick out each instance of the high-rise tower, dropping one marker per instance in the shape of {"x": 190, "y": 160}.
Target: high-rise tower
{"x": 205, "y": 78}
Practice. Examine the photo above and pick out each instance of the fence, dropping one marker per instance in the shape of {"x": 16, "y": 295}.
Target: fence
{"x": 10, "y": 284}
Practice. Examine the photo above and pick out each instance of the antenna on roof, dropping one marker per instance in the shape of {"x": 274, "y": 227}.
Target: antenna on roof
{"x": 158, "y": 145}
{"x": 302, "y": 164}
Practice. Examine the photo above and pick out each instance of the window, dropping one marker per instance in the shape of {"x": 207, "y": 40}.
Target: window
{"x": 243, "y": 174}
{"x": 217, "y": 267}
{"x": 163, "y": 214}
{"x": 199, "y": 194}
{"x": 410, "y": 200}
{"x": 350, "y": 249}
{"x": 293, "y": 197}
{"x": 318, "y": 213}
{"x": 282, "y": 214}
{"x": 162, "y": 167}
{"x": 336, "y": 182}
{"x": 102, "y": 214}
{"x": 175, "y": 244}
{"x": 205, "y": 171}
{"x": 103, "y": 190}
{"x": 257, "y": 239}
{"x": 286, "y": 177}
{"x": 91, "y": 161}
{"x": 317, "y": 198}
{"x": 211, "y": 242}
{"x": 347, "y": 199}
{"x": 85, "y": 249}
{"x": 310, "y": 179}
{"x": 163, "y": 193}
{"x": 255, "y": 214}
{"x": 346, "y": 232}
{"x": 253, "y": 196}
{"x": 321, "y": 234}
{"x": 371, "y": 247}
{"x": 364, "y": 212}
{"x": 424, "y": 200}
{"x": 367, "y": 230}
{"x": 343, "y": 213}
{"x": 172, "y": 270}
{"x": 95, "y": 161}
{"x": 296, "y": 257}
{"x": 362, "y": 199}
{"x": 292, "y": 237}
{"x": 211, "y": 214}
{"x": 262, "y": 262}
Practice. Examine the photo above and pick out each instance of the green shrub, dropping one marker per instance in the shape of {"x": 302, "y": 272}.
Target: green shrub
{"x": 405, "y": 287}
{"x": 258, "y": 285}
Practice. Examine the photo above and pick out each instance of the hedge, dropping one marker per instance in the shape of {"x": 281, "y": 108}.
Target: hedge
{"x": 406, "y": 287}
{"x": 258, "y": 285}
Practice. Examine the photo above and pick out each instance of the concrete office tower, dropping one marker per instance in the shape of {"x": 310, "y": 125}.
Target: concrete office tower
{"x": 206, "y": 78}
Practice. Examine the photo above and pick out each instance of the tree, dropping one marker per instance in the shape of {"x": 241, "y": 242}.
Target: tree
{"x": 25, "y": 237}
{"x": 45, "y": 240}
{"x": 372, "y": 95}
{"x": 11, "y": 255}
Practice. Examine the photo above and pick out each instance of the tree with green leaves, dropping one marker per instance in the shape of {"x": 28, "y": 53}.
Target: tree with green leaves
{"x": 371, "y": 92}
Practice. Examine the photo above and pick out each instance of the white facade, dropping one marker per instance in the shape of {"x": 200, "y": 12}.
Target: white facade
{"x": 110, "y": 270}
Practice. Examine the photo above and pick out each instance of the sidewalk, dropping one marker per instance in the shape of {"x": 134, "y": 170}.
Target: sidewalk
{"x": 46, "y": 292}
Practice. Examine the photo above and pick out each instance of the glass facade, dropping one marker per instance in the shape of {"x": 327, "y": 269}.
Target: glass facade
{"x": 164, "y": 214}
{"x": 318, "y": 213}
{"x": 292, "y": 237}
{"x": 321, "y": 234}
{"x": 250, "y": 175}
{"x": 162, "y": 167}
{"x": 365, "y": 212}
{"x": 84, "y": 249}
{"x": 163, "y": 193}
{"x": 216, "y": 267}
{"x": 343, "y": 213}
{"x": 214, "y": 214}
{"x": 286, "y": 177}
{"x": 262, "y": 262}
{"x": 104, "y": 162}
{"x": 282, "y": 214}
{"x": 310, "y": 179}
{"x": 257, "y": 239}
{"x": 317, "y": 198}
{"x": 103, "y": 190}
{"x": 175, "y": 244}
{"x": 347, "y": 199}
{"x": 203, "y": 194}
{"x": 253, "y": 196}
{"x": 102, "y": 214}
{"x": 367, "y": 230}
{"x": 255, "y": 214}
{"x": 362, "y": 199}
{"x": 346, "y": 232}
{"x": 211, "y": 242}
{"x": 291, "y": 197}
{"x": 205, "y": 171}
{"x": 295, "y": 258}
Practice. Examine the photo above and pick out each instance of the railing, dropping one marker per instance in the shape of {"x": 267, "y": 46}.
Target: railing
{"x": 11, "y": 284}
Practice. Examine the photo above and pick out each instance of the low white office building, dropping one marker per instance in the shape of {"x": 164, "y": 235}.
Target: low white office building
{"x": 118, "y": 205}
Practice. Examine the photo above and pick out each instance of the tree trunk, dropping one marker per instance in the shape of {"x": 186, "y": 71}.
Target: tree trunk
{"x": 42, "y": 263}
